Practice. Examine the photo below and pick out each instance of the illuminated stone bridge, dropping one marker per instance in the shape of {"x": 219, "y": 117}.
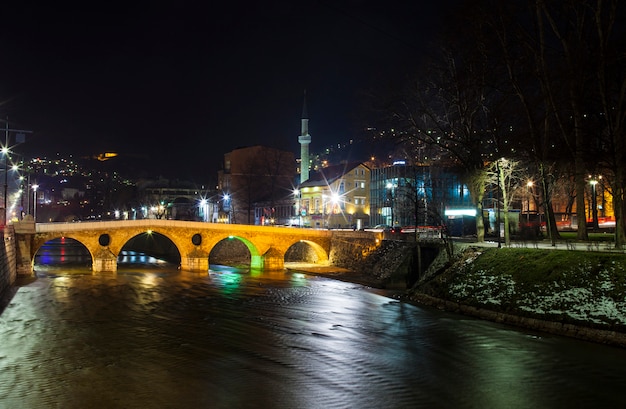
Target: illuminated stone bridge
{"x": 194, "y": 240}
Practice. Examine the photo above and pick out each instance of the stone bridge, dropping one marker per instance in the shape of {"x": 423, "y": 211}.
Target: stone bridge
{"x": 194, "y": 240}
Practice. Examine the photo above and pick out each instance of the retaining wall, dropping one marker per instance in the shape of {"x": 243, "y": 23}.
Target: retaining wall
{"x": 8, "y": 270}
{"x": 391, "y": 264}
{"x": 558, "y": 328}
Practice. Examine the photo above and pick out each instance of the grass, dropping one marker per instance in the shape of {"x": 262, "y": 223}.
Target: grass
{"x": 578, "y": 287}
{"x": 592, "y": 236}
{"x": 537, "y": 266}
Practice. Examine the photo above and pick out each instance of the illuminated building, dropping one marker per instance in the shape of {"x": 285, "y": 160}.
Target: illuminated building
{"x": 257, "y": 177}
{"x": 336, "y": 197}
{"x": 415, "y": 195}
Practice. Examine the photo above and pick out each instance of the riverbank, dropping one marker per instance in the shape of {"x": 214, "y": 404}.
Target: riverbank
{"x": 580, "y": 294}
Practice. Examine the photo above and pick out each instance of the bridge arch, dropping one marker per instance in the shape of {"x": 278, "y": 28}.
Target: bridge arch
{"x": 307, "y": 250}
{"x": 262, "y": 256}
{"x": 38, "y": 251}
{"x": 153, "y": 244}
{"x": 229, "y": 249}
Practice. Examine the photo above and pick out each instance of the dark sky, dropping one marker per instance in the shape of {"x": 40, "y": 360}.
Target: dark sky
{"x": 178, "y": 85}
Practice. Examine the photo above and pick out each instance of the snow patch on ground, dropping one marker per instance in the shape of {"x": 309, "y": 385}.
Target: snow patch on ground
{"x": 588, "y": 301}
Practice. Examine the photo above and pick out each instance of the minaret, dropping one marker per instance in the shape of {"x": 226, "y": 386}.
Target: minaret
{"x": 304, "y": 139}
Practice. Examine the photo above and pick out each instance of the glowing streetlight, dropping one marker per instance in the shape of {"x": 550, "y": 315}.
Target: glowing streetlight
{"x": 334, "y": 203}
{"x": 5, "y": 155}
{"x": 35, "y": 187}
{"x": 296, "y": 196}
{"x": 594, "y": 207}
{"x": 204, "y": 207}
{"x": 529, "y": 185}
{"x": 323, "y": 211}
{"x": 226, "y": 207}
{"x": 391, "y": 187}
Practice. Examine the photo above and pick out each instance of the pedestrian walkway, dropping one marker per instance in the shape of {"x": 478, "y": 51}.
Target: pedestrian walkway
{"x": 573, "y": 245}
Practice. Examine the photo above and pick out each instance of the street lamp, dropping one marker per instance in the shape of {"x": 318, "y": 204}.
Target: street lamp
{"x": 391, "y": 187}
{"x": 35, "y": 187}
{"x": 296, "y": 196}
{"x": 323, "y": 211}
{"x": 594, "y": 206}
{"x": 334, "y": 203}
{"x": 226, "y": 207}
{"x": 529, "y": 185}
{"x": 20, "y": 137}
{"x": 204, "y": 209}
{"x": 5, "y": 154}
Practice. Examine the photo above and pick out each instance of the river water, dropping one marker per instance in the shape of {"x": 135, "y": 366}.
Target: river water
{"x": 156, "y": 337}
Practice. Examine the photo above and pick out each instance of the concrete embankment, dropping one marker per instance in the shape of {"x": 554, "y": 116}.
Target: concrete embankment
{"x": 557, "y": 328}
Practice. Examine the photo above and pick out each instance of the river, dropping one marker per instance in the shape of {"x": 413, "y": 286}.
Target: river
{"x": 157, "y": 337}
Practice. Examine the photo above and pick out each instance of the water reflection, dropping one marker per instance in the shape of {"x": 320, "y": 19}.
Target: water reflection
{"x": 164, "y": 338}
{"x": 63, "y": 252}
{"x": 69, "y": 255}
{"x": 135, "y": 257}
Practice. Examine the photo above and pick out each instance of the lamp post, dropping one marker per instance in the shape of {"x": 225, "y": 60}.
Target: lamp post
{"x": 5, "y": 155}
{"x": 594, "y": 206}
{"x": 204, "y": 209}
{"x": 35, "y": 187}
{"x": 391, "y": 187}
{"x": 20, "y": 138}
{"x": 334, "y": 203}
{"x": 323, "y": 211}
{"x": 529, "y": 185}
{"x": 226, "y": 207}
{"x": 296, "y": 195}
{"x": 22, "y": 197}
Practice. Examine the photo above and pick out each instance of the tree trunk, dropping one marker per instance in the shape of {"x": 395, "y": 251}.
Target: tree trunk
{"x": 579, "y": 164}
{"x": 548, "y": 211}
{"x": 619, "y": 208}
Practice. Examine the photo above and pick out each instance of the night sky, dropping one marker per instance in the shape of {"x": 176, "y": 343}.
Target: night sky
{"x": 177, "y": 86}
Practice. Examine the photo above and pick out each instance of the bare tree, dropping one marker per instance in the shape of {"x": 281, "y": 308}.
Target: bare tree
{"x": 611, "y": 85}
{"x": 449, "y": 110}
{"x": 506, "y": 174}
{"x": 519, "y": 47}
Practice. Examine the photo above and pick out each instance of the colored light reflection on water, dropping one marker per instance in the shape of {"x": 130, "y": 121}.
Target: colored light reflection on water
{"x": 227, "y": 279}
{"x": 170, "y": 339}
{"x": 155, "y": 337}
{"x": 63, "y": 252}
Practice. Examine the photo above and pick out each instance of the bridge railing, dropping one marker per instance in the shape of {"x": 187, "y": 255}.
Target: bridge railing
{"x": 164, "y": 223}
